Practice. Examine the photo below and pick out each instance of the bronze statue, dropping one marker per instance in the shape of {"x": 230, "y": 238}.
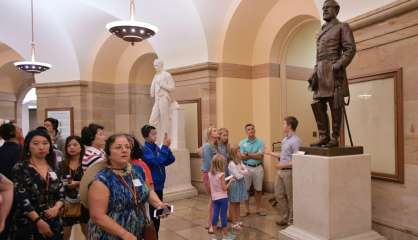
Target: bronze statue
{"x": 335, "y": 50}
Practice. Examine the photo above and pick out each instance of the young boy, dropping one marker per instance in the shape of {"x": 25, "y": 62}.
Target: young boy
{"x": 283, "y": 184}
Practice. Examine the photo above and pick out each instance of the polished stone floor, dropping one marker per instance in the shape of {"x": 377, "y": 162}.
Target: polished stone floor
{"x": 190, "y": 218}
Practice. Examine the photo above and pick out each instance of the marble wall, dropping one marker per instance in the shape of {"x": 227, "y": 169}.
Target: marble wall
{"x": 7, "y": 106}
{"x": 387, "y": 43}
{"x": 119, "y": 108}
{"x": 192, "y": 83}
{"x": 127, "y": 107}
{"x": 61, "y": 95}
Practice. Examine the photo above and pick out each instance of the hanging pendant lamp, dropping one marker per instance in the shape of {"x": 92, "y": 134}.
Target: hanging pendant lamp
{"x": 132, "y": 31}
{"x": 32, "y": 66}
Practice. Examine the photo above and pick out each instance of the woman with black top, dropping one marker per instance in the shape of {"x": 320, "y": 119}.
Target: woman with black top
{"x": 38, "y": 191}
{"x": 71, "y": 172}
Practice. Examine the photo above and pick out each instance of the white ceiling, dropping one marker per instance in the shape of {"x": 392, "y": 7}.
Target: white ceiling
{"x": 353, "y": 8}
{"x": 68, "y": 31}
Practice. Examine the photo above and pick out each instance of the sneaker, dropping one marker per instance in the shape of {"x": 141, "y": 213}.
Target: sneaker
{"x": 229, "y": 237}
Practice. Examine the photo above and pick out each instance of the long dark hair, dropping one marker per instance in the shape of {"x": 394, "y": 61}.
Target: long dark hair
{"x": 50, "y": 158}
{"x": 78, "y": 139}
{"x": 136, "y": 151}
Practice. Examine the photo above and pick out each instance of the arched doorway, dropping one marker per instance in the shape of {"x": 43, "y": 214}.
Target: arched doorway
{"x": 299, "y": 61}
{"x": 28, "y": 111}
{"x": 14, "y": 85}
{"x": 140, "y": 79}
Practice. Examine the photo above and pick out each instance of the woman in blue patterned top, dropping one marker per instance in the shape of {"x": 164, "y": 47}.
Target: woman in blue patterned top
{"x": 117, "y": 194}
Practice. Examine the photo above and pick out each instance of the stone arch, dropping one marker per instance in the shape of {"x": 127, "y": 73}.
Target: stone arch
{"x": 142, "y": 70}
{"x": 255, "y": 47}
{"x": 109, "y": 80}
{"x": 52, "y": 42}
{"x": 242, "y": 29}
{"x": 113, "y": 59}
{"x": 256, "y": 36}
{"x": 14, "y": 84}
{"x": 296, "y": 69}
{"x": 140, "y": 78}
{"x": 278, "y": 52}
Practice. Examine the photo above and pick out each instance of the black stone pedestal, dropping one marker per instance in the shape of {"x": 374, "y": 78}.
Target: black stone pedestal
{"x": 330, "y": 152}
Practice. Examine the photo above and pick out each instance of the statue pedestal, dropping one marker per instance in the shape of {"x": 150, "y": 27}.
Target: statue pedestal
{"x": 178, "y": 183}
{"x": 331, "y": 199}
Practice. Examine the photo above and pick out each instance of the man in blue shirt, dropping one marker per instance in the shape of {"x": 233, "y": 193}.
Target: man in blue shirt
{"x": 157, "y": 159}
{"x": 283, "y": 185}
{"x": 252, "y": 154}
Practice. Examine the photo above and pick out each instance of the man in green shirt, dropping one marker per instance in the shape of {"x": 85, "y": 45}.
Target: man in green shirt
{"x": 252, "y": 152}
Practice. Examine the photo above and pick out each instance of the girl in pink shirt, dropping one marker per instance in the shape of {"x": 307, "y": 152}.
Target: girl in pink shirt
{"x": 219, "y": 193}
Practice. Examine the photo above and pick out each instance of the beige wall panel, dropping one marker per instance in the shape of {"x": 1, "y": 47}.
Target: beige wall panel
{"x": 299, "y": 101}
{"x": 384, "y": 46}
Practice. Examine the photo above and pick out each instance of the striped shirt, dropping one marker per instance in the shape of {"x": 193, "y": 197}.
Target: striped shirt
{"x": 91, "y": 156}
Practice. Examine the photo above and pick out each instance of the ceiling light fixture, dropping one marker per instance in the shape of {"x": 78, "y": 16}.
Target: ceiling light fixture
{"x": 32, "y": 66}
{"x": 132, "y": 31}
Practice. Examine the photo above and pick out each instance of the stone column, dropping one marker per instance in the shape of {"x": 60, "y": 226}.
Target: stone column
{"x": 331, "y": 199}
{"x": 7, "y": 106}
{"x": 178, "y": 183}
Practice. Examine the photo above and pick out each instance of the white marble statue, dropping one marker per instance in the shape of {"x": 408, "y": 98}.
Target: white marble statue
{"x": 168, "y": 117}
{"x": 162, "y": 86}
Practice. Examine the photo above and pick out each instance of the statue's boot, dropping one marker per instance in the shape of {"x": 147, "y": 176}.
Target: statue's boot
{"x": 337, "y": 115}
{"x": 320, "y": 112}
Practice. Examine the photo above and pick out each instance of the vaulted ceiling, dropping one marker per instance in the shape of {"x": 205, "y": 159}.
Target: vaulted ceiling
{"x": 69, "y": 34}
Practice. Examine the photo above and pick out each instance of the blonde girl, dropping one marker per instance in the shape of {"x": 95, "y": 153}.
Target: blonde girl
{"x": 223, "y": 142}
{"x": 219, "y": 193}
{"x": 237, "y": 192}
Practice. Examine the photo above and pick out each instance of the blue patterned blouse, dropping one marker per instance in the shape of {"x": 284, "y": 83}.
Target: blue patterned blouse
{"x": 121, "y": 206}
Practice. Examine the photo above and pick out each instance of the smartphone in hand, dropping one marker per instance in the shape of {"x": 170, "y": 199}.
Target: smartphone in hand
{"x": 228, "y": 178}
{"x": 163, "y": 211}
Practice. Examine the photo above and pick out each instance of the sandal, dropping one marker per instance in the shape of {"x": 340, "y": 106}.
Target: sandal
{"x": 261, "y": 213}
{"x": 236, "y": 226}
{"x": 210, "y": 230}
{"x": 241, "y": 224}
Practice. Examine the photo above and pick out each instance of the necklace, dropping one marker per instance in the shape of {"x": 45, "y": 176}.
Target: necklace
{"x": 122, "y": 171}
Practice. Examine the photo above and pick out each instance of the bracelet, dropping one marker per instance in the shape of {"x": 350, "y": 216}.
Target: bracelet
{"x": 37, "y": 219}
